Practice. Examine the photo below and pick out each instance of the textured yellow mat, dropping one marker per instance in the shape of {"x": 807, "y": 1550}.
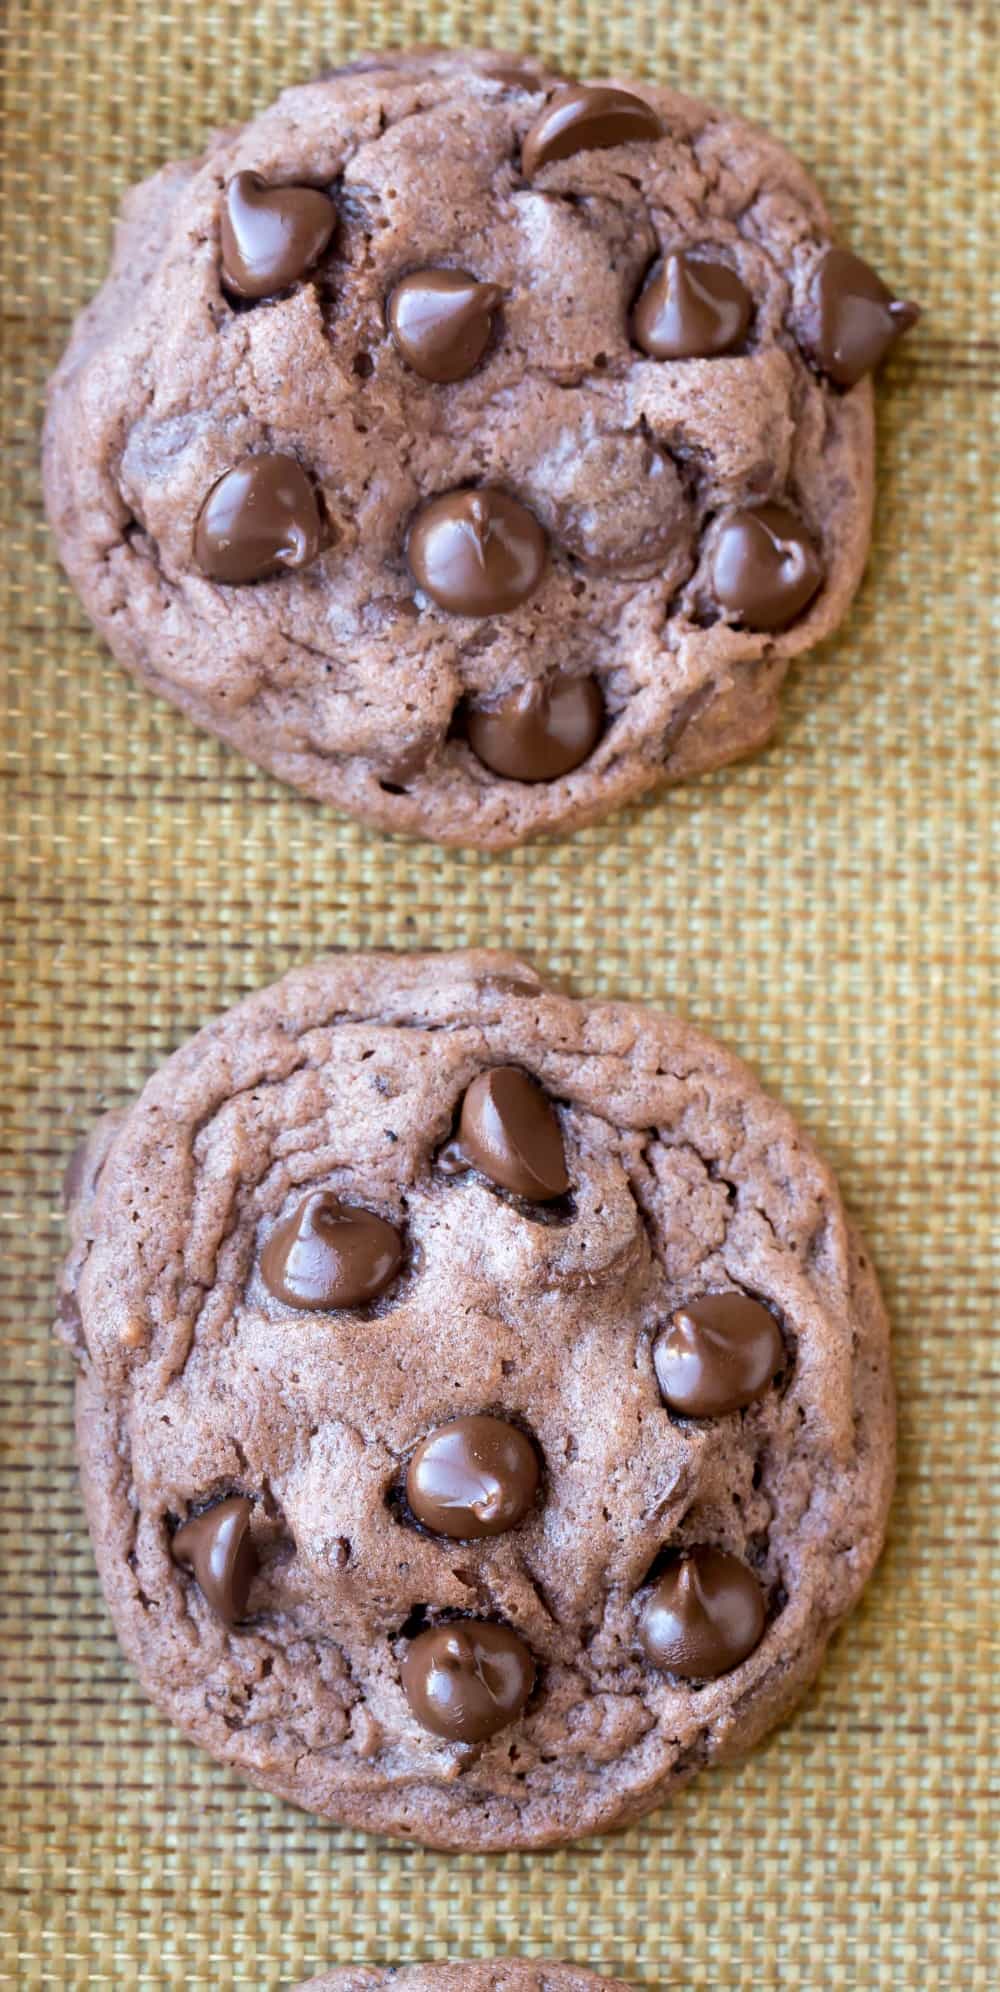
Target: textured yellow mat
{"x": 826, "y": 908}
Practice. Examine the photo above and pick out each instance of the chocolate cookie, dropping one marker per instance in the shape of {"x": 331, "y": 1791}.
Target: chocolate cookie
{"x": 484, "y": 1406}
{"x": 504, "y": 1974}
{"x": 471, "y": 448}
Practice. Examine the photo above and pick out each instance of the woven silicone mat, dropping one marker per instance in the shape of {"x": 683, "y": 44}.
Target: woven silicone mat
{"x": 826, "y": 909}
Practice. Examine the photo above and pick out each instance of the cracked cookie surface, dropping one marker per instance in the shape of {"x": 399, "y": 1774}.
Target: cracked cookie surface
{"x": 338, "y": 670}
{"x": 286, "y": 1440}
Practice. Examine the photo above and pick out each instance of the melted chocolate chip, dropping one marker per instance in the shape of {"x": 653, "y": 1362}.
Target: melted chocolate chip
{"x": 858, "y": 319}
{"x": 766, "y": 568}
{"x": 719, "y": 1353}
{"x": 466, "y": 1680}
{"x": 691, "y": 309}
{"x": 540, "y": 731}
{"x": 218, "y": 1548}
{"x": 475, "y": 1477}
{"x": 509, "y": 1130}
{"x": 262, "y": 518}
{"x": 703, "y": 1617}
{"x": 330, "y": 1254}
{"x": 477, "y": 553}
{"x": 441, "y": 321}
{"x": 583, "y": 118}
{"x": 271, "y": 235}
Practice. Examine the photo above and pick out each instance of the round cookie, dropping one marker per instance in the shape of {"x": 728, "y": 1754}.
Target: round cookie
{"x": 505, "y": 1974}
{"x": 472, "y": 449}
{"x": 484, "y": 1408}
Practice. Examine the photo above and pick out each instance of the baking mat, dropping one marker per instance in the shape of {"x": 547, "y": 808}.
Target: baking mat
{"x": 826, "y": 908}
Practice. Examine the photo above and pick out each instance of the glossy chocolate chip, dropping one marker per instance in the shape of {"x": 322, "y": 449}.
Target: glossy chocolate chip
{"x": 218, "y": 1548}
{"x": 330, "y": 1254}
{"x": 475, "y": 1477}
{"x": 540, "y": 731}
{"x": 509, "y": 1130}
{"x": 466, "y": 1680}
{"x": 858, "y": 319}
{"x": 261, "y": 519}
{"x": 691, "y": 309}
{"x": 705, "y": 1614}
{"x": 766, "y": 568}
{"x": 271, "y": 235}
{"x": 441, "y": 321}
{"x": 478, "y": 553}
{"x": 718, "y": 1353}
{"x": 583, "y": 118}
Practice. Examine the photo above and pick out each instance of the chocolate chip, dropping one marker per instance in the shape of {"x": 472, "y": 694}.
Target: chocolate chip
{"x": 540, "y": 731}
{"x": 406, "y": 763}
{"x": 69, "y": 1320}
{"x": 857, "y": 317}
{"x": 271, "y": 235}
{"x": 691, "y": 309}
{"x": 441, "y": 321}
{"x": 703, "y": 1617}
{"x": 513, "y": 74}
{"x": 218, "y": 1548}
{"x": 330, "y": 1254}
{"x": 477, "y": 553}
{"x": 466, "y": 1680}
{"x": 508, "y": 1129}
{"x": 719, "y": 1353}
{"x": 261, "y": 519}
{"x": 475, "y": 1477}
{"x": 584, "y": 117}
{"x": 766, "y": 567}
{"x": 80, "y": 1176}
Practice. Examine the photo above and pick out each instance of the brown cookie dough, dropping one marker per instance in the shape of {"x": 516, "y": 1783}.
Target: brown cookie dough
{"x": 505, "y": 1974}
{"x": 410, "y": 443}
{"x": 498, "y": 1547}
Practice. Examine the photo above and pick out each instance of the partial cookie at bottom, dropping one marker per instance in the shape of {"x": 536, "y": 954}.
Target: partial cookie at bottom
{"x": 499, "y": 1975}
